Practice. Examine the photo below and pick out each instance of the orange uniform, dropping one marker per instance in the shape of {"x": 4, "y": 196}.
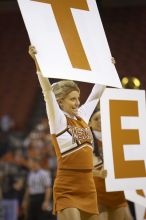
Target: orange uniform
{"x": 105, "y": 199}
{"x": 74, "y": 184}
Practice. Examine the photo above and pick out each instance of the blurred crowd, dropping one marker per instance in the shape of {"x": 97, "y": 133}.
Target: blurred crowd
{"x": 16, "y": 152}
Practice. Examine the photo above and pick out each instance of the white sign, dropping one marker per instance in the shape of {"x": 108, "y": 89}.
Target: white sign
{"x": 123, "y": 120}
{"x": 140, "y": 212}
{"x": 70, "y": 40}
{"x": 139, "y": 198}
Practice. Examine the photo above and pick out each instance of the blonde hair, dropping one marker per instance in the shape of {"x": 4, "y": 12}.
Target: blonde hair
{"x": 62, "y": 88}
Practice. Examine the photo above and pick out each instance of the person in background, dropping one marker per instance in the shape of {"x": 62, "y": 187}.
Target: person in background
{"x": 12, "y": 184}
{"x": 1, "y": 206}
{"x": 36, "y": 203}
{"x": 6, "y": 133}
{"x": 112, "y": 205}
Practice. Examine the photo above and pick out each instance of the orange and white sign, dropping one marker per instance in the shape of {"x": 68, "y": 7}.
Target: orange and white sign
{"x": 70, "y": 40}
{"x": 123, "y": 118}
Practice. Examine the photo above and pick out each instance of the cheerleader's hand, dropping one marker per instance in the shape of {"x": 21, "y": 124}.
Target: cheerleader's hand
{"x": 113, "y": 60}
{"x": 103, "y": 173}
{"x": 100, "y": 173}
{"x": 32, "y": 52}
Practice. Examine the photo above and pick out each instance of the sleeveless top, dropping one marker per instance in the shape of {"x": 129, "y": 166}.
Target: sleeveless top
{"x": 73, "y": 145}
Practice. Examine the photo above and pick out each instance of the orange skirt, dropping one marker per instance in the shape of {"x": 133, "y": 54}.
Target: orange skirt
{"x": 75, "y": 189}
{"x": 110, "y": 200}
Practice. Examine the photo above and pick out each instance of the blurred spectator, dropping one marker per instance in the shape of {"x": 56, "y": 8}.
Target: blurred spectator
{"x": 37, "y": 199}
{"x": 14, "y": 151}
{"x": 5, "y": 127}
{"x": 38, "y": 143}
{"x": 8, "y": 139}
{"x": 1, "y": 206}
{"x": 12, "y": 183}
{"x": 6, "y": 123}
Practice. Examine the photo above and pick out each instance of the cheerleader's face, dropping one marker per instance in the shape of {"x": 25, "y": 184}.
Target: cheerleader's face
{"x": 70, "y": 103}
{"x": 95, "y": 122}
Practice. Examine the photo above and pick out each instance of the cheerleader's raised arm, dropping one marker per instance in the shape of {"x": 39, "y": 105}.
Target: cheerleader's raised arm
{"x": 86, "y": 110}
{"x": 54, "y": 113}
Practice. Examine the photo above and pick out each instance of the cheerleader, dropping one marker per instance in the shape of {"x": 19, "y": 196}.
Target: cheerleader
{"x": 74, "y": 188}
{"x": 112, "y": 205}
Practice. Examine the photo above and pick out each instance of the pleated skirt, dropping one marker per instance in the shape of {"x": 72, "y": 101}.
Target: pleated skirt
{"x": 75, "y": 189}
